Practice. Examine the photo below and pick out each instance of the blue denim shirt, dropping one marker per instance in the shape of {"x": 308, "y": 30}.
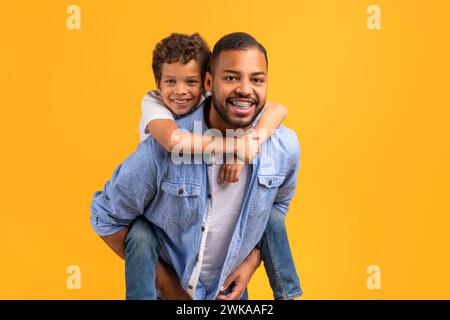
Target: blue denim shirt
{"x": 174, "y": 198}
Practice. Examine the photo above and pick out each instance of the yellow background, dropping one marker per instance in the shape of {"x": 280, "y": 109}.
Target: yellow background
{"x": 371, "y": 110}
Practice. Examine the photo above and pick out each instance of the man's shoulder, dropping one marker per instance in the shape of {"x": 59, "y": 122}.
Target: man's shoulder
{"x": 150, "y": 146}
{"x": 287, "y": 140}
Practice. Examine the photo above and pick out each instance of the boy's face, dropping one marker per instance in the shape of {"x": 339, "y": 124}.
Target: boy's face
{"x": 180, "y": 86}
{"x": 238, "y": 86}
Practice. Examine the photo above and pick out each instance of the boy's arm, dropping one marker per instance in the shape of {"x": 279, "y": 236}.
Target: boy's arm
{"x": 271, "y": 118}
{"x": 166, "y": 132}
{"x": 274, "y": 114}
{"x": 158, "y": 120}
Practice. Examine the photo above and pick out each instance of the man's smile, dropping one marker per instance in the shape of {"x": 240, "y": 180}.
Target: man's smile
{"x": 241, "y": 106}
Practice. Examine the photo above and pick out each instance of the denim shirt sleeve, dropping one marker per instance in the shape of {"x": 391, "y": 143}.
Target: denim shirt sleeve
{"x": 287, "y": 189}
{"x": 129, "y": 191}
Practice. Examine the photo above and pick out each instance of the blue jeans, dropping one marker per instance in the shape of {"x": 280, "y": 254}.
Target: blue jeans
{"x": 142, "y": 250}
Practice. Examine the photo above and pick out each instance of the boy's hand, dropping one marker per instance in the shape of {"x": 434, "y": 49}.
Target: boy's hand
{"x": 247, "y": 146}
{"x": 230, "y": 173}
{"x": 241, "y": 276}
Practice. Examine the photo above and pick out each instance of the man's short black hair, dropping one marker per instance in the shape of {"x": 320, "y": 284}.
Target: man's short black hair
{"x": 235, "y": 41}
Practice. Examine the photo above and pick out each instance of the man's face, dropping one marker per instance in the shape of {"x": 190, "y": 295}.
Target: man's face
{"x": 238, "y": 85}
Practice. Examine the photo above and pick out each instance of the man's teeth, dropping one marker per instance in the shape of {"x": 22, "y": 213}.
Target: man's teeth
{"x": 242, "y": 105}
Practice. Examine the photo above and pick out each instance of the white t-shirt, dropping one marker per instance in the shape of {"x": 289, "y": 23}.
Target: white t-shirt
{"x": 226, "y": 205}
{"x": 153, "y": 108}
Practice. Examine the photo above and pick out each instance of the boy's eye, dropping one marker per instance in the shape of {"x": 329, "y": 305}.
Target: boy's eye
{"x": 192, "y": 82}
{"x": 170, "y": 81}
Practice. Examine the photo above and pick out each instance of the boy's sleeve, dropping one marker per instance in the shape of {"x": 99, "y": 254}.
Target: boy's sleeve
{"x": 287, "y": 189}
{"x": 152, "y": 108}
{"x": 125, "y": 197}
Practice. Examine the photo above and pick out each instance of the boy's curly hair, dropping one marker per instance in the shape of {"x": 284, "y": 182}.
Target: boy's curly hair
{"x": 180, "y": 48}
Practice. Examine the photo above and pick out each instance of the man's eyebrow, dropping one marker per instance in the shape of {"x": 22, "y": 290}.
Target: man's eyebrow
{"x": 259, "y": 73}
{"x": 231, "y": 71}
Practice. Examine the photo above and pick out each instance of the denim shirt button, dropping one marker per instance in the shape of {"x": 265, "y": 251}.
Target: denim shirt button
{"x": 180, "y": 192}
{"x": 106, "y": 198}
{"x": 270, "y": 182}
{"x": 203, "y": 228}
{"x": 190, "y": 287}
{"x": 209, "y": 195}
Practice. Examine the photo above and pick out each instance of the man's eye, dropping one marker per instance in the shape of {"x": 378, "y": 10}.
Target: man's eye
{"x": 170, "y": 81}
{"x": 259, "y": 80}
{"x": 230, "y": 78}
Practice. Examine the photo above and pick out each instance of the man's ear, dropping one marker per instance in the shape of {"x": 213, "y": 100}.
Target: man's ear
{"x": 208, "y": 82}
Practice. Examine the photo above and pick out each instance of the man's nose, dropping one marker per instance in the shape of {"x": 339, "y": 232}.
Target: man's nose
{"x": 244, "y": 88}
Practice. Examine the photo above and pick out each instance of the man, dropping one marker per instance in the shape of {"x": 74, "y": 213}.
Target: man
{"x": 206, "y": 230}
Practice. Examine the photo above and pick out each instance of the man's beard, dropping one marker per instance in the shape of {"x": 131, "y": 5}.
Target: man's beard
{"x": 223, "y": 112}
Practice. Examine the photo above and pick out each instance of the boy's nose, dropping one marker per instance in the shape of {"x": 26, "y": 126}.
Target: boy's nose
{"x": 180, "y": 89}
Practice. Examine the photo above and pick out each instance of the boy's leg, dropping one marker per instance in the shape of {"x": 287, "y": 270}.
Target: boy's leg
{"x": 141, "y": 257}
{"x": 244, "y": 295}
{"x": 277, "y": 257}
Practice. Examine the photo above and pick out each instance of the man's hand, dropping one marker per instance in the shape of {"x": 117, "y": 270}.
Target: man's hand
{"x": 168, "y": 284}
{"x": 241, "y": 276}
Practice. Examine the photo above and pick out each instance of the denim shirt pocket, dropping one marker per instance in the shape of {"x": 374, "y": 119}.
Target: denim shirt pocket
{"x": 182, "y": 199}
{"x": 265, "y": 192}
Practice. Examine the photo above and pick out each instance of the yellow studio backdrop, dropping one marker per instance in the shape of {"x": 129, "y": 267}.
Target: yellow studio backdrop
{"x": 370, "y": 107}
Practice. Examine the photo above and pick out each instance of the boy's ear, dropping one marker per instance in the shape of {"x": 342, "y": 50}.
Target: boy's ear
{"x": 208, "y": 82}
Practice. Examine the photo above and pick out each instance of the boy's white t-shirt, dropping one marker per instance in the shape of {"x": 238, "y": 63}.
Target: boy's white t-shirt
{"x": 153, "y": 108}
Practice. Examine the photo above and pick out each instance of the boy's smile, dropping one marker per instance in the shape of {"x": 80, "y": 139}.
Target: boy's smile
{"x": 181, "y": 86}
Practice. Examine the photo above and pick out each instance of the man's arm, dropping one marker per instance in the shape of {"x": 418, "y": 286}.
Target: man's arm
{"x": 286, "y": 191}
{"x": 125, "y": 196}
{"x": 122, "y": 200}
{"x": 241, "y": 276}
